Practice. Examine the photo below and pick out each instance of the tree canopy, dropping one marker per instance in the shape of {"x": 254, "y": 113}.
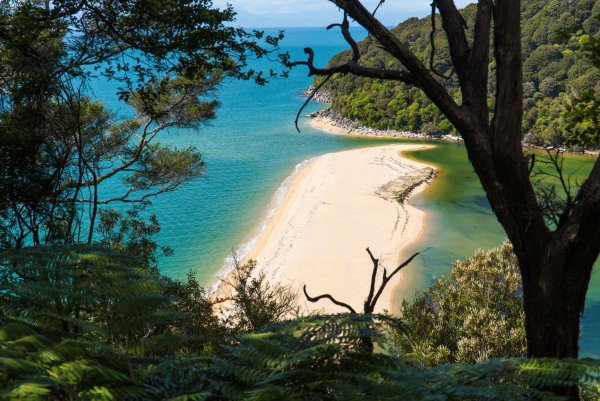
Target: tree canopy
{"x": 552, "y": 34}
{"x": 61, "y": 148}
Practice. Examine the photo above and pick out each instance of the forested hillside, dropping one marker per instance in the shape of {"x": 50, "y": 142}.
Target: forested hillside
{"x": 553, "y": 31}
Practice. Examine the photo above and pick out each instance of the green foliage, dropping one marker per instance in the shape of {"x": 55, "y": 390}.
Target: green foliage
{"x": 320, "y": 358}
{"x": 581, "y": 112}
{"x": 474, "y": 314}
{"x": 256, "y": 302}
{"x": 317, "y": 358}
{"x": 582, "y": 122}
{"x": 60, "y": 149}
{"x": 552, "y": 67}
{"x": 202, "y": 330}
{"x": 40, "y": 366}
{"x": 104, "y": 296}
{"x": 131, "y": 234}
{"x": 89, "y": 292}
{"x": 87, "y": 323}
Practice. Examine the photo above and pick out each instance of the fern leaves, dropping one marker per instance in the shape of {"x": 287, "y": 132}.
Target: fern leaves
{"x": 81, "y": 323}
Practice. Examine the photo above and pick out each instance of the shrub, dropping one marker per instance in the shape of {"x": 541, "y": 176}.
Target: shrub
{"x": 474, "y": 314}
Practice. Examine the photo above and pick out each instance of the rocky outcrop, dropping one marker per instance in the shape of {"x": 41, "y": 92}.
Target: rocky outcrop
{"x": 401, "y": 188}
{"x": 354, "y": 128}
{"x": 322, "y": 96}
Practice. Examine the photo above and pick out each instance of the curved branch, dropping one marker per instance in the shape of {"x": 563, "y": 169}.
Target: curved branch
{"x": 310, "y": 97}
{"x": 352, "y": 67}
{"x": 373, "y": 278}
{"x": 345, "y": 26}
{"x": 419, "y": 73}
{"x": 387, "y": 278}
{"x": 329, "y": 297}
{"x": 432, "y": 66}
{"x": 377, "y": 8}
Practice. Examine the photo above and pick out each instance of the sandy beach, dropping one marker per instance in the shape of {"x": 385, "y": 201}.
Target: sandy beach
{"x": 338, "y": 205}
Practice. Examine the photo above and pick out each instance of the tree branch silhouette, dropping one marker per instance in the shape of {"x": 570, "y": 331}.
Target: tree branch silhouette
{"x": 373, "y": 297}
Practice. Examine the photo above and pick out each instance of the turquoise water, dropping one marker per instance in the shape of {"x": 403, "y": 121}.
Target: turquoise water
{"x": 249, "y": 149}
{"x": 252, "y": 146}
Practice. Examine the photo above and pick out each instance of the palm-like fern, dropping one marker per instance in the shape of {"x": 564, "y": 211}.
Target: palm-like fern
{"x": 85, "y": 323}
{"x": 42, "y": 366}
{"x": 321, "y": 358}
{"x": 88, "y": 291}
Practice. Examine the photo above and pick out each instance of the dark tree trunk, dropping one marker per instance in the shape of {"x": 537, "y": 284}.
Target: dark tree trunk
{"x": 556, "y": 263}
{"x": 553, "y": 304}
{"x": 552, "y": 309}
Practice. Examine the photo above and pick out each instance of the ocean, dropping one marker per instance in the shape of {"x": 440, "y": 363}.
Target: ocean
{"x": 252, "y": 146}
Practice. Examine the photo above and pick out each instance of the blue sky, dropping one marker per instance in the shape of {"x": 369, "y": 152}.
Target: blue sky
{"x": 295, "y": 13}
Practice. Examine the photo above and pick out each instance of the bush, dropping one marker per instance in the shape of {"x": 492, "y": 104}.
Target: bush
{"x": 474, "y": 314}
{"x": 256, "y": 302}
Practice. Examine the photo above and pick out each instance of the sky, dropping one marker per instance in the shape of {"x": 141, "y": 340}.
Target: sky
{"x": 304, "y": 13}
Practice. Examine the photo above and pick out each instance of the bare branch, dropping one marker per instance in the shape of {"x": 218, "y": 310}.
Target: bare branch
{"x": 585, "y": 212}
{"x": 386, "y": 280}
{"x": 555, "y": 160}
{"x": 454, "y": 26}
{"x": 345, "y": 26}
{"x": 420, "y": 75}
{"x": 373, "y": 278}
{"x": 219, "y": 301}
{"x": 378, "y": 5}
{"x": 314, "y": 92}
{"x": 126, "y": 197}
{"x": 351, "y": 67}
{"x": 403, "y": 265}
{"x": 432, "y": 66}
{"x": 329, "y": 297}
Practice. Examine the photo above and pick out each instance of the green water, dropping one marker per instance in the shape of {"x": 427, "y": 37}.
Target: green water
{"x": 460, "y": 220}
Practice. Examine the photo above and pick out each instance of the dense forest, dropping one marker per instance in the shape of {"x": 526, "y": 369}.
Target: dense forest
{"x": 552, "y": 31}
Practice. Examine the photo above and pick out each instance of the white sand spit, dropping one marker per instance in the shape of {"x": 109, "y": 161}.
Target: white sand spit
{"x": 330, "y": 215}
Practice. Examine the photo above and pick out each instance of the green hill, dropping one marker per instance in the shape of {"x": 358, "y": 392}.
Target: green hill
{"x": 552, "y": 68}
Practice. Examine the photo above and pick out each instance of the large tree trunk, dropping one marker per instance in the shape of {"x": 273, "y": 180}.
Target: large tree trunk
{"x": 556, "y": 265}
{"x": 552, "y": 319}
{"x": 553, "y": 304}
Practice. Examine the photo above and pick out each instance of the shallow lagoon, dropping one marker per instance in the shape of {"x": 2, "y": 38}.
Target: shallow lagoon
{"x": 461, "y": 220}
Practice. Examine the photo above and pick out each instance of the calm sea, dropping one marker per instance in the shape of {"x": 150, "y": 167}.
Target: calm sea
{"x": 252, "y": 146}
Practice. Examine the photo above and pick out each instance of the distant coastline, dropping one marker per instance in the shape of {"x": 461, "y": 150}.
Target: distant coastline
{"x": 333, "y": 122}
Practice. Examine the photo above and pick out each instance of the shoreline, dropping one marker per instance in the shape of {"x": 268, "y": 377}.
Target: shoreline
{"x": 334, "y": 123}
{"x": 334, "y": 207}
{"x": 252, "y": 237}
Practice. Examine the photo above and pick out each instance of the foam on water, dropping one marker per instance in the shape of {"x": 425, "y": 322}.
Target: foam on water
{"x": 246, "y": 248}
